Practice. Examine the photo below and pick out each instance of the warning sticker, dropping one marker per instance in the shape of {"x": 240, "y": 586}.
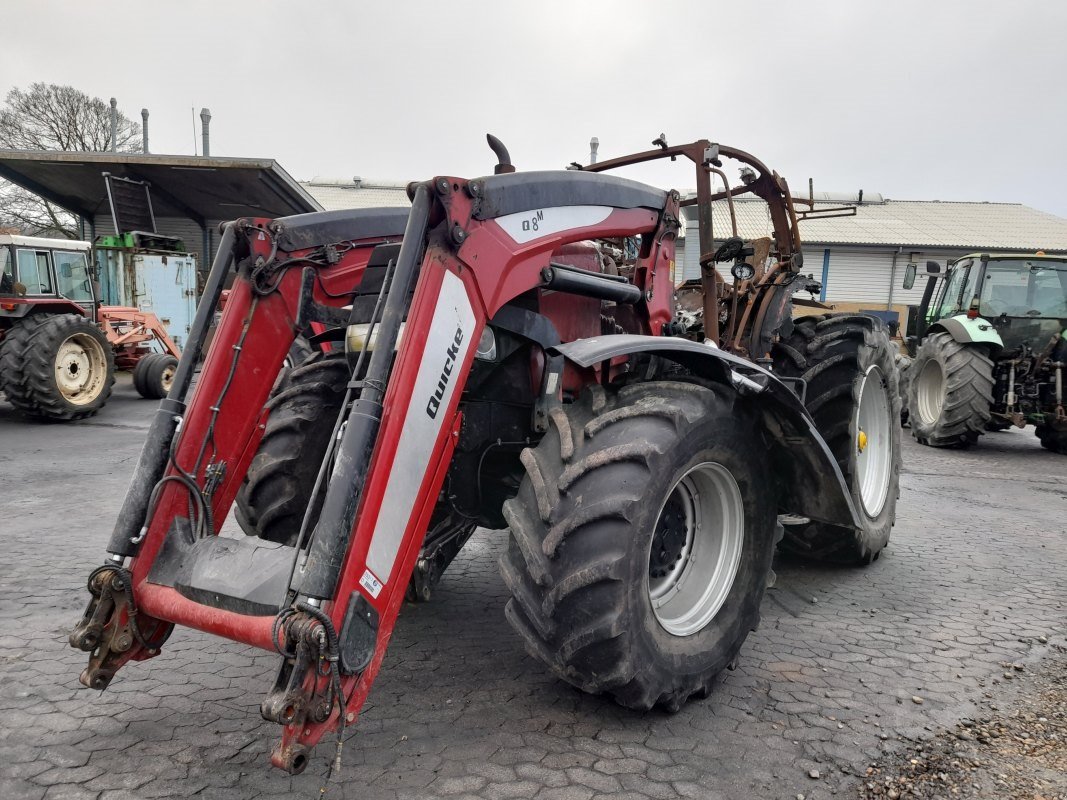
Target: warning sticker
{"x": 371, "y": 584}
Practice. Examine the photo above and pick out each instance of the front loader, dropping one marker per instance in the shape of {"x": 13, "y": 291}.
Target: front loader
{"x": 507, "y": 354}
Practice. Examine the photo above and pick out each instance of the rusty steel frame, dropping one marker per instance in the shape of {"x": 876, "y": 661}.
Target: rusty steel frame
{"x": 129, "y": 345}
{"x": 768, "y": 186}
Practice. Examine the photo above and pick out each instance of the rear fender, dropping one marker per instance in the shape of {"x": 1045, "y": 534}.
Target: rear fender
{"x": 968, "y": 331}
{"x": 807, "y": 476}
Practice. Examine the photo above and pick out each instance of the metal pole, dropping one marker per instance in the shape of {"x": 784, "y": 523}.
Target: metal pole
{"x": 205, "y": 122}
{"x": 114, "y": 123}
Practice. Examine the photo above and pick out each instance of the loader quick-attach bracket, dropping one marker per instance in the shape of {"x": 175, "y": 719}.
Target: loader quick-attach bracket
{"x": 108, "y": 629}
{"x": 812, "y": 484}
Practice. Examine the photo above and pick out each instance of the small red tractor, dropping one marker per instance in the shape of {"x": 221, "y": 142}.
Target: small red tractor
{"x": 509, "y": 354}
{"x": 59, "y": 348}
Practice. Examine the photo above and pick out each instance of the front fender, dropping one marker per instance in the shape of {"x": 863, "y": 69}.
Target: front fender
{"x": 807, "y": 475}
{"x": 968, "y": 331}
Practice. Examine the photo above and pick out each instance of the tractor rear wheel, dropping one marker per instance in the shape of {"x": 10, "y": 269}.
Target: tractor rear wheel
{"x": 56, "y": 367}
{"x": 641, "y": 541}
{"x": 153, "y": 375}
{"x": 274, "y": 496}
{"x": 951, "y": 392}
{"x": 849, "y": 365}
{"x": 1053, "y": 435}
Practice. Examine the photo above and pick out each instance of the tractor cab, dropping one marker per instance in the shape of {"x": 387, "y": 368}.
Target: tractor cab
{"x": 1016, "y": 301}
{"x": 36, "y": 271}
{"x": 1025, "y": 299}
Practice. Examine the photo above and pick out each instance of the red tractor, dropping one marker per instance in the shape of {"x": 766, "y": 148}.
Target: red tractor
{"x": 59, "y": 347}
{"x": 507, "y": 355}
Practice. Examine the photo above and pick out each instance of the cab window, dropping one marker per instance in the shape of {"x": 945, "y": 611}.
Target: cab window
{"x": 950, "y": 300}
{"x": 72, "y": 275}
{"x": 33, "y": 272}
{"x": 7, "y": 272}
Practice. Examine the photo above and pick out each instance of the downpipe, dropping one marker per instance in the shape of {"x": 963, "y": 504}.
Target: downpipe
{"x": 128, "y": 532}
{"x": 333, "y": 531}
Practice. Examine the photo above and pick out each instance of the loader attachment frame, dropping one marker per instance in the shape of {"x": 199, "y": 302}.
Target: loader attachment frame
{"x": 328, "y": 604}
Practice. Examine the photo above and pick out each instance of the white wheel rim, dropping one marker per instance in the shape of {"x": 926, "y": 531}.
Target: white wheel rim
{"x": 873, "y": 443}
{"x": 930, "y": 392}
{"x": 696, "y": 549}
{"x": 81, "y": 369}
{"x": 166, "y": 380}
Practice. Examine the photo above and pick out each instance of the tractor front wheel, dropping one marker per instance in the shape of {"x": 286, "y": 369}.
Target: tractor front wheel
{"x": 153, "y": 375}
{"x": 641, "y": 541}
{"x": 849, "y": 366}
{"x": 277, "y": 489}
{"x": 951, "y": 392}
{"x": 56, "y": 367}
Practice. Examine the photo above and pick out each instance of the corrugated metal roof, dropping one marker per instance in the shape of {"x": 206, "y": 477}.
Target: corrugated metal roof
{"x": 894, "y": 223}
{"x": 915, "y": 223}
{"x": 334, "y": 195}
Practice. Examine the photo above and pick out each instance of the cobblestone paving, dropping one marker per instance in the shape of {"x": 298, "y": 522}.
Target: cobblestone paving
{"x": 975, "y": 574}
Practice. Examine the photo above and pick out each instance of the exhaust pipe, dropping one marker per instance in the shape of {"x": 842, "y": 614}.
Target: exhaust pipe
{"x": 205, "y": 123}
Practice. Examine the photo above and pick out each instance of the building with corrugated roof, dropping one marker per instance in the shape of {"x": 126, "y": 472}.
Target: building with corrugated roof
{"x": 860, "y": 258}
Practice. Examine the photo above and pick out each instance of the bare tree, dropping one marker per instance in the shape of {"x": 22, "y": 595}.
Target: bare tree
{"x": 51, "y": 117}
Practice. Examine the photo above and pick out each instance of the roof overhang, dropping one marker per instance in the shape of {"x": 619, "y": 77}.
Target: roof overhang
{"x": 195, "y": 187}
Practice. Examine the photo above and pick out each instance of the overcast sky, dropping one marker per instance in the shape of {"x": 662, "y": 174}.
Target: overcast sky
{"x": 915, "y": 100}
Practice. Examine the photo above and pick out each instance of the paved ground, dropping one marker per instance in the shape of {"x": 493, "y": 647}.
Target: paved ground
{"x": 975, "y": 574}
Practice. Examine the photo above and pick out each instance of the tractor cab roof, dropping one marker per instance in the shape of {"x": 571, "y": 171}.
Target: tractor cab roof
{"x": 1014, "y": 256}
{"x": 38, "y": 241}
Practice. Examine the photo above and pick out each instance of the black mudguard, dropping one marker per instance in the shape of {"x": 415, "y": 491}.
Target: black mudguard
{"x": 808, "y": 477}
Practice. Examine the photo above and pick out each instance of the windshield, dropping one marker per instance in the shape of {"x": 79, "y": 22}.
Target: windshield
{"x": 1024, "y": 288}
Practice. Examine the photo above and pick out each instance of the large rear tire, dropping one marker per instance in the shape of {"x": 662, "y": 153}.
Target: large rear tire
{"x": 274, "y": 496}
{"x": 56, "y": 367}
{"x": 951, "y": 392}
{"x": 641, "y": 541}
{"x": 849, "y": 365}
{"x": 1053, "y": 435}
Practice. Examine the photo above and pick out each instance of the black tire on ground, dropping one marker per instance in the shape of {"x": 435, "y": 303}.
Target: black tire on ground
{"x": 951, "y": 392}
{"x": 271, "y": 502}
{"x": 837, "y": 354}
{"x": 1053, "y": 436}
{"x": 153, "y": 374}
{"x": 994, "y": 425}
{"x": 159, "y": 376}
{"x": 593, "y": 502}
{"x": 139, "y": 370}
{"x": 56, "y": 367}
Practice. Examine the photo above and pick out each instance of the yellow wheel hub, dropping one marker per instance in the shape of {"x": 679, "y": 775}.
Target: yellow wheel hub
{"x": 861, "y": 441}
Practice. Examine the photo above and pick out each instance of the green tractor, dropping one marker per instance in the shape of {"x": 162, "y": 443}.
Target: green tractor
{"x": 990, "y": 351}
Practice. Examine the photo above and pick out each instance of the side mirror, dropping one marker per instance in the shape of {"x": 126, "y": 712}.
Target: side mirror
{"x": 909, "y": 275}
{"x": 933, "y": 267}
